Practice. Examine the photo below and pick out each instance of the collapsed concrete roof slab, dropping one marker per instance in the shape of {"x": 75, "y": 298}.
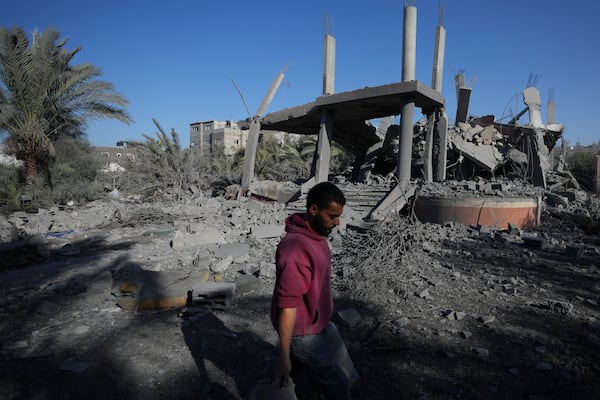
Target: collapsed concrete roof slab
{"x": 351, "y": 109}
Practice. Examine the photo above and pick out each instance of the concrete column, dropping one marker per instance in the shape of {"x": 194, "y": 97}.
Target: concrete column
{"x": 409, "y": 44}
{"x": 250, "y": 154}
{"x": 428, "y": 156}
{"x": 438, "y": 59}
{"x": 532, "y": 99}
{"x": 323, "y": 155}
{"x": 462, "y": 107}
{"x": 409, "y": 53}
{"x": 440, "y": 151}
{"x": 537, "y": 162}
{"x": 329, "y": 65}
{"x": 252, "y": 143}
{"x": 597, "y": 179}
{"x": 551, "y": 107}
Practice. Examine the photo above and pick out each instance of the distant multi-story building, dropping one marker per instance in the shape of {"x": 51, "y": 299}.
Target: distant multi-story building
{"x": 211, "y": 136}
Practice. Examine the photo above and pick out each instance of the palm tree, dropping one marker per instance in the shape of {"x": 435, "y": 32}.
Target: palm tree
{"x": 43, "y": 96}
{"x": 167, "y": 163}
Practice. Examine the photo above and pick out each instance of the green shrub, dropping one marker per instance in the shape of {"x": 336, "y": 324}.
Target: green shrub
{"x": 10, "y": 189}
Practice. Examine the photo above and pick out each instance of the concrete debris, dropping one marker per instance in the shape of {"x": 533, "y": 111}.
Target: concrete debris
{"x": 266, "y": 231}
{"x": 350, "y": 316}
{"x": 74, "y": 365}
{"x": 148, "y": 290}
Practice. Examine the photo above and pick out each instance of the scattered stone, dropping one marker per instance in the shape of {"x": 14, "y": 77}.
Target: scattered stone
{"x": 481, "y": 351}
{"x": 540, "y": 349}
{"x": 514, "y": 371}
{"x": 574, "y": 251}
{"x": 80, "y": 330}
{"x": 15, "y": 345}
{"x": 594, "y": 340}
{"x": 593, "y": 325}
{"x": 534, "y": 242}
{"x": 560, "y": 307}
{"x": 350, "y": 317}
{"x": 424, "y": 294}
{"x": 487, "y": 319}
{"x": 74, "y": 365}
{"x": 222, "y": 265}
{"x": 465, "y": 334}
{"x": 267, "y": 231}
{"x": 246, "y": 283}
{"x": 544, "y": 366}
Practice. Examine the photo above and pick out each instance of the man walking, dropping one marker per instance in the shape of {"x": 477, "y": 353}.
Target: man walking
{"x": 302, "y": 302}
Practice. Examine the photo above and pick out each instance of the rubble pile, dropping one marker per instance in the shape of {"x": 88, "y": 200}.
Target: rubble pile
{"x": 120, "y": 299}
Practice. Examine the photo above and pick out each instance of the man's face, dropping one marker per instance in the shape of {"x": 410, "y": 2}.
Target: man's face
{"x": 323, "y": 220}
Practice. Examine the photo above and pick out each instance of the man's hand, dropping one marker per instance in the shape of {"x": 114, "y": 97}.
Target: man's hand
{"x": 282, "y": 371}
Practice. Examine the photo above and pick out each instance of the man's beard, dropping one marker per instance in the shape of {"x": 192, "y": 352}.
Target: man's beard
{"x": 320, "y": 227}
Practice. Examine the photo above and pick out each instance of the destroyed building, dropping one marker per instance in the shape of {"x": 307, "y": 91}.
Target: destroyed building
{"x": 408, "y": 158}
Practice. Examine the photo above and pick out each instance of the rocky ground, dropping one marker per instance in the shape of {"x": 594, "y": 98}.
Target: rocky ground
{"x": 455, "y": 313}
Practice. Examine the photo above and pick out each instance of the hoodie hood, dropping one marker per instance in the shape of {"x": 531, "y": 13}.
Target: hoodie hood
{"x": 295, "y": 223}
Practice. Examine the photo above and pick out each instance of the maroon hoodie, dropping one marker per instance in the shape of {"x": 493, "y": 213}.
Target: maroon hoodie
{"x": 303, "y": 279}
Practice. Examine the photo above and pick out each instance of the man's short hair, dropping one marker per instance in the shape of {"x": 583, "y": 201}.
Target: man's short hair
{"x": 324, "y": 193}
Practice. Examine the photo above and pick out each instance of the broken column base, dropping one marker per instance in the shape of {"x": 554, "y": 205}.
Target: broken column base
{"x": 523, "y": 212}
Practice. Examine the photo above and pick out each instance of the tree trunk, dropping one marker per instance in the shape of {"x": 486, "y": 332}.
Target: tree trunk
{"x": 31, "y": 169}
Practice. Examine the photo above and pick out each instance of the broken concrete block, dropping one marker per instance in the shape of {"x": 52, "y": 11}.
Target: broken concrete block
{"x": 267, "y": 231}
{"x": 574, "y": 251}
{"x": 178, "y": 241}
{"x": 246, "y": 283}
{"x": 350, "y": 317}
{"x": 268, "y": 270}
{"x": 15, "y": 345}
{"x": 535, "y": 242}
{"x": 233, "y": 250}
{"x": 207, "y": 236}
{"x": 556, "y": 200}
{"x": 544, "y": 366}
{"x": 74, "y": 365}
{"x": 222, "y": 265}
{"x": 481, "y": 351}
{"x": 215, "y": 294}
{"x": 487, "y": 319}
{"x": 156, "y": 290}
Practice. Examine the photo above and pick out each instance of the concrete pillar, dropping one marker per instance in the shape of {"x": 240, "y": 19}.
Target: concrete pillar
{"x": 597, "y": 179}
{"x": 551, "y": 107}
{"x": 409, "y": 44}
{"x": 409, "y": 53}
{"x": 250, "y": 154}
{"x": 323, "y": 155}
{"x": 537, "y": 160}
{"x": 364, "y": 167}
{"x": 329, "y": 65}
{"x": 532, "y": 99}
{"x": 428, "y": 156}
{"x": 462, "y": 107}
{"x": 252, "y": 143}
{"x": 438, "y": 58}
{"x": 440, "y": 151}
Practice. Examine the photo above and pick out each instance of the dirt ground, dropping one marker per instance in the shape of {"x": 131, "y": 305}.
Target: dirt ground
{"x": 480, "y": 315}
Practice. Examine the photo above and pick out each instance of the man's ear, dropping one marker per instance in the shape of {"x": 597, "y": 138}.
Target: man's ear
{"x": 313, "y": 210}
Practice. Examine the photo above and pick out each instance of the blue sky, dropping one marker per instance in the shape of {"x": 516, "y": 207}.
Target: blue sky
{"x": 175, "y": 60}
